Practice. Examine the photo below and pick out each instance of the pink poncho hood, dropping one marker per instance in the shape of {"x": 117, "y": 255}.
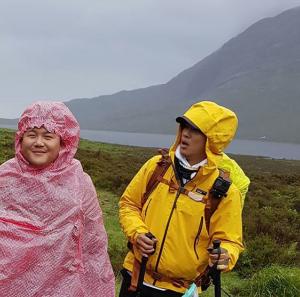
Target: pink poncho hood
{"x": 53, "y": 242}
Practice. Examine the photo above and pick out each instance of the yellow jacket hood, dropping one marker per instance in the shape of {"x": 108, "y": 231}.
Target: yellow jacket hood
{"x": 216, "y": 122}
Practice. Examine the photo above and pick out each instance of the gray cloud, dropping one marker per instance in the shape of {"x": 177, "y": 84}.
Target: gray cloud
{"x": 65, "y": 49}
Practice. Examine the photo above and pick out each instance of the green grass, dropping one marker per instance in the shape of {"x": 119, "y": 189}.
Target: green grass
{"x": 111, "y": 166}
{"x": 273, "y": 281}
{"x": 6, "y": 145}
{"x": 116, "y": 238}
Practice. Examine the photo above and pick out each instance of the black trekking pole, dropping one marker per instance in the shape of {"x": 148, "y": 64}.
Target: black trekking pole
{"x": 143, "y": 269}
{"x": 215, "y": 273}
{"x": 141, "y": 276}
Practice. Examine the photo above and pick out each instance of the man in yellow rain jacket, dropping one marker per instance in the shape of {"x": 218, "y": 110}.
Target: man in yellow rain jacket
{"x": 177, "y": 217}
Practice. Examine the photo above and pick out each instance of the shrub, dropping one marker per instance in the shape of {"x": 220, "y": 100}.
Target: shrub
{"x": 262, "y": 251}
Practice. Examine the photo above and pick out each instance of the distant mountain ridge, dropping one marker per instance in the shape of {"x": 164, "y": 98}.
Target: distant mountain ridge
{"x": 257, "y": 74}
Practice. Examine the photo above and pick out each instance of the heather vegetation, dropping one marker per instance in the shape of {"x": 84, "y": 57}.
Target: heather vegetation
{"x": 270, "y": 264}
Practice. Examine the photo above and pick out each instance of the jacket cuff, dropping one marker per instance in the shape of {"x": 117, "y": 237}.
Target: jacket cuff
{"x": 233, "y": 252}
{"x": 139, "y": 231}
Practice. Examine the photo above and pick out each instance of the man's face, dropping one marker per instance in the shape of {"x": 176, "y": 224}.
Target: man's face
{"x": 40, "y": 147}
{"x": 192, "y": 144}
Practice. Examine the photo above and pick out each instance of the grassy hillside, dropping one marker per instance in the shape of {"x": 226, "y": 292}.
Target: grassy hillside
{"x": 271, "y": 214}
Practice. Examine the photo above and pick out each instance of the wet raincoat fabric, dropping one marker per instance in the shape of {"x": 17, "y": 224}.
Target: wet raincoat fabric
{"x": 52, "y": 238}
{"x": 177, "y": 220}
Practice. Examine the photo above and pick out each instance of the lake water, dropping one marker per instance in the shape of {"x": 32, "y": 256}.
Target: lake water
{"x": 242, "y": 147}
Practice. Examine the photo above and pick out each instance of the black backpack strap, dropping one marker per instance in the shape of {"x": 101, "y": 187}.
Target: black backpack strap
{"x": 217, "y": 192}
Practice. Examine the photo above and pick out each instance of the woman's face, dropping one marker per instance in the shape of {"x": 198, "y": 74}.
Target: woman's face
{"x": 40, "y": 147}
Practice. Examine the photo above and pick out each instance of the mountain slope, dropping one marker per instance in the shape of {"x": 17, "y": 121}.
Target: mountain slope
{"x": 257, "y": 74}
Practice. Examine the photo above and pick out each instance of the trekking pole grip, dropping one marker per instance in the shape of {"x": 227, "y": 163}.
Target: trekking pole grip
{"x": 216, "y": 244}
{"x": 143, "y": 266}
{"x": 151, "y": 236}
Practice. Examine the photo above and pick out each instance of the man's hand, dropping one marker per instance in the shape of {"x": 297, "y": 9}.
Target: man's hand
{"x": 145, "y": 245}
{"x": 222, "y": 261}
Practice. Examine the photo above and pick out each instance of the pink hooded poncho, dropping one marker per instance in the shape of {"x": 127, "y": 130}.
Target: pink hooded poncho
{"x": 52, "y": 238}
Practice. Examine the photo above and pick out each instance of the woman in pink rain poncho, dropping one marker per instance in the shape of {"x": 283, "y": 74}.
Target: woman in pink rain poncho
{"x": 52, "y": 238}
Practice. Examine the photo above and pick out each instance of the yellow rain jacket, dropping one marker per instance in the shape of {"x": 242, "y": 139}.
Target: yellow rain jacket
{"x": 176, "y": 220}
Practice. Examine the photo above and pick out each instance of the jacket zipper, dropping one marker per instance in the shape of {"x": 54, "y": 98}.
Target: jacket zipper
{"x": 197, "y": 237}
{"x": 166, "y": 230}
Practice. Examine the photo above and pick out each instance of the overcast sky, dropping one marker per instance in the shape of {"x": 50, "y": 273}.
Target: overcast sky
{"x": 66, "y": 49}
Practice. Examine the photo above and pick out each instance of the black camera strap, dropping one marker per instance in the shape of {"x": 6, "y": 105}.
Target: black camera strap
{"x": 217, "y": 192}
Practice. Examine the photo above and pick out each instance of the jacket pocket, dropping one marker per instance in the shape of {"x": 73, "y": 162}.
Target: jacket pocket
{"x": 197, "y": 238}
{"x": 146, "y": 207}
